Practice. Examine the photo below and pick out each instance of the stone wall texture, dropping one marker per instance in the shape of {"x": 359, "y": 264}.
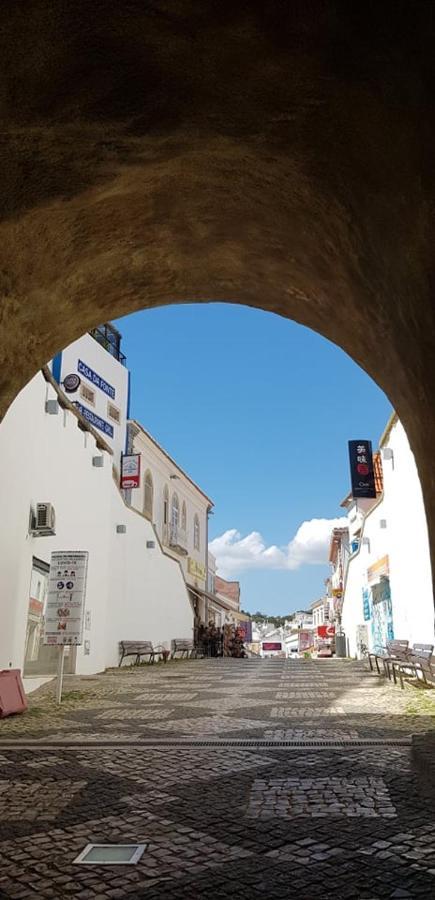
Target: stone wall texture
{"x": 273, "y": 154}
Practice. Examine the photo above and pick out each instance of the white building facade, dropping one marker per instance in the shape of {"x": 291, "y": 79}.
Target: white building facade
{"x": 178, "y": 509}
{"x": 93, "y": 373}
{"x": 50, "y": 453}
{"x": 388, "y": 582}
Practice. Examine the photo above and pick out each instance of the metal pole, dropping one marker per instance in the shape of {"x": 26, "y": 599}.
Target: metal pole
{"x": 59, "y": 681}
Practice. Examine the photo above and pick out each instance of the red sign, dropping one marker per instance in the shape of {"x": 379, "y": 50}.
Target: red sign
{"x": 274, "y": 645}
{"x": 326, "y": 631}
{"x": 130, "y": 471}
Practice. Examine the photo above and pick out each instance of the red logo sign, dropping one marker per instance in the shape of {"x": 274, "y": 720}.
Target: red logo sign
{"x": 130, "y": 471}
{"x": 274, "y": 645}
{"x": 326, "y": 631}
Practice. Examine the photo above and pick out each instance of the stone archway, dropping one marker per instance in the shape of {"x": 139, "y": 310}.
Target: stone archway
{"x": 277, "y": 155}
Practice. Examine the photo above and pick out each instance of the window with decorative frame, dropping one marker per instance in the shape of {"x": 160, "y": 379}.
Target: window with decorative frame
{"x": 175, "y": 512}
{"x": 165, "y": 505}
{"x": 184, "y": 516}
{"x": 87, "y": 393}
{"x": 148, "y": 495}
{"x": 113, "y": 412}
{"x": 196, "y": 532}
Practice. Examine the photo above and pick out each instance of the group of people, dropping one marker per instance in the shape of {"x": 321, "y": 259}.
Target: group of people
{"x": 214, "y": 641}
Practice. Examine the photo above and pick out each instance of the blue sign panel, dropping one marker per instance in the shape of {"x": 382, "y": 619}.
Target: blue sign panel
{"x": 94, "y": 420}
{"x": 95, "y": 379}
{"x": 366, "y": 605}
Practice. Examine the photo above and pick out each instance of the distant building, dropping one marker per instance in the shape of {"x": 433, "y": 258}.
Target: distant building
{"x": 388, "y": 579}
{"x": 65, "y": 497}
{"x": 178, "y": 509}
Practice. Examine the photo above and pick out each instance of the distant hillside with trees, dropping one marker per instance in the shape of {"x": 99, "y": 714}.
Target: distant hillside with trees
{"x": 264, "y": 618}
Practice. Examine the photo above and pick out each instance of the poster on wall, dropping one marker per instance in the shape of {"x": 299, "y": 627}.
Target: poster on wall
{"x": 63, "y": 624}
{"x": 130, "y": 471}
{"x": 382, "y": 614}
{"x": 367, "y": 612}
{"x": 361, "y": 469}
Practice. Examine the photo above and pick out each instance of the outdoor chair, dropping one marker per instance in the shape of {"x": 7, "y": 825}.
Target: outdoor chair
{"x": 419, "y": 659}
{"x": 183, "y": 646}
{"x": 396, "y": 650}
{"x": 137, "y": 649}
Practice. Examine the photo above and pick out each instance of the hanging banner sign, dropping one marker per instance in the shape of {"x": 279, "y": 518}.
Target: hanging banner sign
{"x": 361, "y": 469}
{"x": 326, "y": 631}
{"x": 130, "y": 471}
{"x": 63, "y": 622}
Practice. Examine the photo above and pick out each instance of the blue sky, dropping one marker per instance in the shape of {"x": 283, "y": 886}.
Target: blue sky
{"x": 258, "y": 410}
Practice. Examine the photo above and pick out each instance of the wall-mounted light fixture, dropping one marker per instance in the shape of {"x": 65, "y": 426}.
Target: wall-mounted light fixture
{"x": 121, "y": 529}
{"x": 98, "y": 462}
{"x": 388, "y": 453}
{"x": 151, "y": 545}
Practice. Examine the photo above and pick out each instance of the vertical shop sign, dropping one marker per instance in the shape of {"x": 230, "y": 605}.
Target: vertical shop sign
{"x": 361, "y": 469}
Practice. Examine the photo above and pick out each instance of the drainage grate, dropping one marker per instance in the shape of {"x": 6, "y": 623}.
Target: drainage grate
{"x": 174, "y": 743}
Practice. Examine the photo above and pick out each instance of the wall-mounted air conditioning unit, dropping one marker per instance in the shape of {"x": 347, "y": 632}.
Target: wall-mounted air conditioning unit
{"x": 43, "y": 521}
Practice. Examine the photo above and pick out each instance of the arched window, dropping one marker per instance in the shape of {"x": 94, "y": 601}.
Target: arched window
{"x": 165, "y": 505}
{"x": 196, "y": 534}
{"x": 148, "y": 495}
{"x": 183, "y": 516}
{"x": 175, "y": 513}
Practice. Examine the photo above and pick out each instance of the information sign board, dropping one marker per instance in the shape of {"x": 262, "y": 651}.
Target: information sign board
{"x": 272, "y": 645}
{"x": 63, "y": 623}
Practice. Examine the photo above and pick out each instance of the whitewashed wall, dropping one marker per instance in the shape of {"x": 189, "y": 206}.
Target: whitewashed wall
{"x": 408, "y": 542}
{"x": 356, "y": 580}
{"x": 395, "y": 527}
{"x": 132, "y": 592}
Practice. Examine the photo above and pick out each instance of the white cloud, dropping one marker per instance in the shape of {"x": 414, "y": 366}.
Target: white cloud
{"x": 309, "y": 546}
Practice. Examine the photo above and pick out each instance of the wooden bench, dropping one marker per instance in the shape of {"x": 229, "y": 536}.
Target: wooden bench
{"x": 394, "y": 651}
{"x": 419, "y": 659}
{"x": 137, "y": 649}
{"x": 183, "y": 646}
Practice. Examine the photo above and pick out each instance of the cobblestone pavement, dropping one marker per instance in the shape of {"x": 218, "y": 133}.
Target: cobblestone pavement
{"x": 243, "y": 778}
